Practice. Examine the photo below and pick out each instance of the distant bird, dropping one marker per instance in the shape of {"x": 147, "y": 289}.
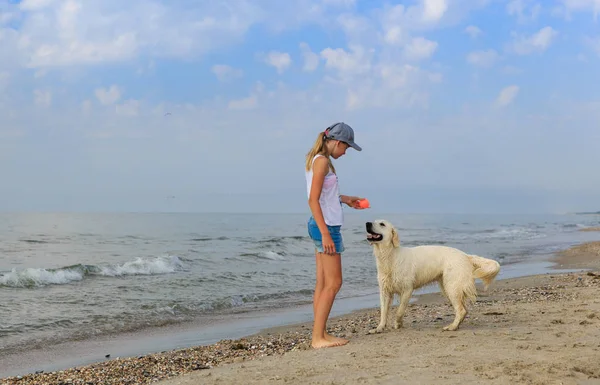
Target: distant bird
{"x": 168, "y": 113}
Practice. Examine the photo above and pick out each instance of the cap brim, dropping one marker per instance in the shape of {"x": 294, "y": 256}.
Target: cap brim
{"x": 355, "y": 146}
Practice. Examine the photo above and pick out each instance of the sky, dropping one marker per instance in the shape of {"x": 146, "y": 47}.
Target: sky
{"x": 460, "y": 106}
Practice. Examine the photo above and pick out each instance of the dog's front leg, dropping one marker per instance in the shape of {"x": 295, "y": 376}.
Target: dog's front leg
{"x": 404, "y": 299}
{"x": 385, "y": 299}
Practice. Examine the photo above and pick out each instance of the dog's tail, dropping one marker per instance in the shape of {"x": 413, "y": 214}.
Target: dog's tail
{"x": 485, "y": 269}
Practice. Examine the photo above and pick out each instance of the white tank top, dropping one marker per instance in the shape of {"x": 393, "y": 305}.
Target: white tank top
{"x": 330, "y": 197}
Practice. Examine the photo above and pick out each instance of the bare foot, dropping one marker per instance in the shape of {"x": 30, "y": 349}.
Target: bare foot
{"x": 331, "y": 338}
{"x": 324, "y": 343}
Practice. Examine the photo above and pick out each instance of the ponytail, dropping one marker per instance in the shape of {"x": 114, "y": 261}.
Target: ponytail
{"x": 318, "y": 148}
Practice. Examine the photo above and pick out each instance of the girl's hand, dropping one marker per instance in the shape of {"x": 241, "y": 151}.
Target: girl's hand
{"x": 328, "y": 245}
{"x": 353, "y": 202}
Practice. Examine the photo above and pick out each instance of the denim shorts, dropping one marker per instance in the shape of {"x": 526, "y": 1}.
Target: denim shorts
{"x": 334, "y": 231}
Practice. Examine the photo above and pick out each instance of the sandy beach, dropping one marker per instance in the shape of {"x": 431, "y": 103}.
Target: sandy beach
{"x": 540, "y": 329}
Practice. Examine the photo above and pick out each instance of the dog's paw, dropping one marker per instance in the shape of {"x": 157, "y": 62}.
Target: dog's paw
{"x": 398, "y": 325}
{"x": 376, "y": 330}
{"x": 450, "y": 328}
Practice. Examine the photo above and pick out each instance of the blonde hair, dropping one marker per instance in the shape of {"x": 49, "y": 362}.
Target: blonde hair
{"x": 319, "y": 148}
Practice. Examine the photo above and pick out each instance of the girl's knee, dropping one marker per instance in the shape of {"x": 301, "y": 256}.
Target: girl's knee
{"x": 334, "y": 285}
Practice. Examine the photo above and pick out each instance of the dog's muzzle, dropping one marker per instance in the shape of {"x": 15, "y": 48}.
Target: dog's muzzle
{"x": 372, "y": 236}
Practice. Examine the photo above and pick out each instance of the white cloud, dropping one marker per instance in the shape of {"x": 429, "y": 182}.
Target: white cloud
{"x": 482, "y": 58}
{"x": 538, "y": 42}
{"x": 400, "y": 76}
{"x": 251, "y": 102}
{"x": 226, "y": 73}
{"x": 356, "y": 61}
{"x": 42, "y": 98}
{"x": 394, "y": 29}
{"x": 394, "y": 25}
{"x": 434, "y": 10}
{"x": 394, "y": 35}
{"x": 91, "y": 32}
{"x": 420, "y": 48}
{"x": 353, "y": 68}
{"x": 390, "y": 86}
{"x": 507, "y": 95}
{"x": 280, "y": 60}
{"x": 581, "y": 6}
{"x": 381, "y": 76}
{"x": 311, "y": 59}
{"x": 524, "y": 10}
{"x": 397, "y": 23}
{"x": 357, "y": 28}
{"x": 109, "y": 95}
{"x": 473, "y": 31}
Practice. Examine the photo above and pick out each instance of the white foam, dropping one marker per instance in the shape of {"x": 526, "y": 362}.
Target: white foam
{"x": 32, "y": 277}
{"x": 39, "y": 277}
{"x": 143, "y": 266}
{"x": 272, "y": 255}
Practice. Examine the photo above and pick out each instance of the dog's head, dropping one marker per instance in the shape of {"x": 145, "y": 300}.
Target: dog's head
{"x": 382, "y": 232}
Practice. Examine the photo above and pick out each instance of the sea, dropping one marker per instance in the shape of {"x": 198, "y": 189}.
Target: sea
{"x": 83, "y": 276}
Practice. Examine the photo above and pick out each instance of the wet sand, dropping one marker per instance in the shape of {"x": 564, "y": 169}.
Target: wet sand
{"x": 590, "y": 229}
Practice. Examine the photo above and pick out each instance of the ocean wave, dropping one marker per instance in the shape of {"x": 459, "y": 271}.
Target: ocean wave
{"x": 282, "y": 241}
{"x": 34, "y": 241}
{"x": 208, "y": 239}
{"x": 574, "y": 226}
{"x": 38, "y": 277}
{"x": 241, "y": 300}
{"x": 487, "y": 235}
{"x": 270, "y": 255}
{"x": 283, "y": 238}
{"x": 149, "y": 315}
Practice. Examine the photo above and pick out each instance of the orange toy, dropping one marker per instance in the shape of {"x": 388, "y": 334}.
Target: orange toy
{"x": 364, "y": 203}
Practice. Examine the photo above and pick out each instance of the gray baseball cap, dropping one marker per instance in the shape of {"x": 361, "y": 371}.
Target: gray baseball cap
{"x": 342, "y": 132}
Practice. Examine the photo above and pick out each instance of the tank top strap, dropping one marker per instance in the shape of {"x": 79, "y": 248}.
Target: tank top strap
{"x": 315, "y": 158}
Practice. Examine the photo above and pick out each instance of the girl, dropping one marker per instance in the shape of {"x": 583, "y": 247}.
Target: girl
{"x": 324, "y": 225}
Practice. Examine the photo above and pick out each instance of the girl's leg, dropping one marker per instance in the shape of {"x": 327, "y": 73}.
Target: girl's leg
{"x": 318, "y": 290}
{"x": 332, "y": 282}
{"x": 320, "y": 280}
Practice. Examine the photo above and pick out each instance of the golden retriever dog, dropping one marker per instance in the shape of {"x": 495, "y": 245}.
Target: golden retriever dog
{"x": 401, "y": 270}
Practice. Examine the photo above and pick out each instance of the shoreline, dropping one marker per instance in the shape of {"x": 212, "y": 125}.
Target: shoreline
{"x": 51, "y": 357}
{"x": 293, "y": 337}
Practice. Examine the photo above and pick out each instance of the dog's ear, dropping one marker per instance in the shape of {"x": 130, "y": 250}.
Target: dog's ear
{"x": 395, "y": 238}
